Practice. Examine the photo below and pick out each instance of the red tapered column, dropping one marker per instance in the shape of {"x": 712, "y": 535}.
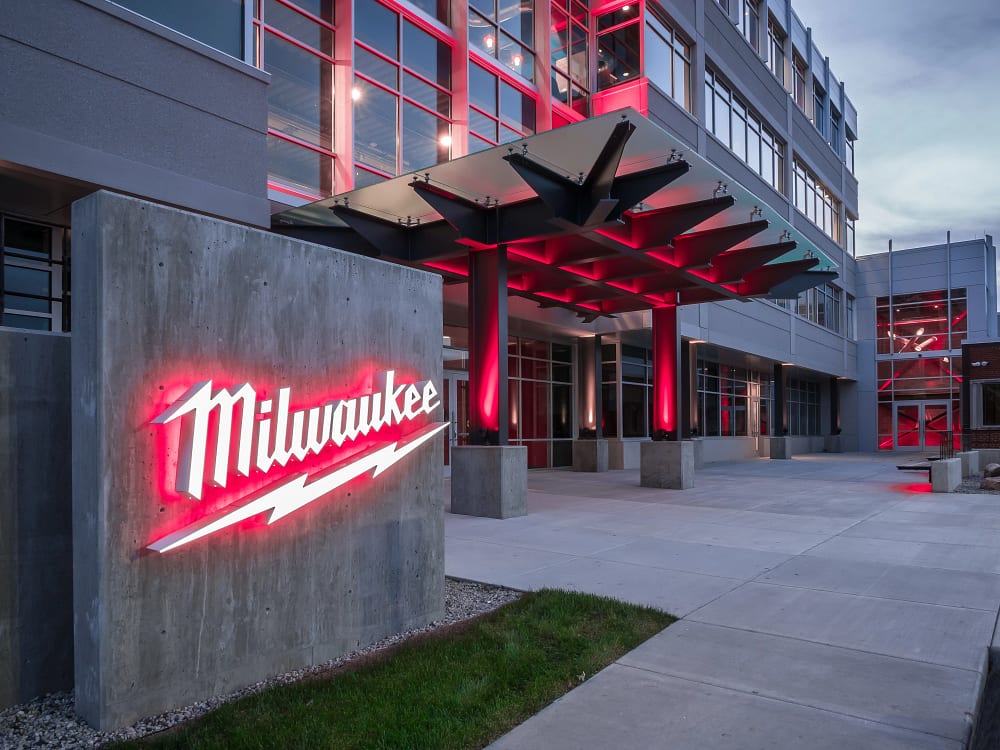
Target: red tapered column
{"x": 666, "y": 373}
{"x": 488, "y": 347}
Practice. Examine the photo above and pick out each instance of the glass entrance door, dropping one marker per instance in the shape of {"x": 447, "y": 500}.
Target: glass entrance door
{"x": 919, "y": 425}
{"x": 455, "y": 400}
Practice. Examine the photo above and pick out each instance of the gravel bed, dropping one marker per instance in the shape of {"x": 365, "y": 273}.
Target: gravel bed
{"x": 970, "y": 486}
{"x": 49, "y": 722}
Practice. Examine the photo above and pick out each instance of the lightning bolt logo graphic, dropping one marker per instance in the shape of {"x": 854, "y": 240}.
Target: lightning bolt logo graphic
{"x": 288, "y": 496}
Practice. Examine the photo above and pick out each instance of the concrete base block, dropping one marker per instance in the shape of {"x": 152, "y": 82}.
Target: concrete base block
{"x": 781, "y": 447}
{"x": 970, "y": 462}
{"x": 489, "y": 480}
{"x": 667, "y": 464}
{"x": 832, "y": 444}
{"x": 946, "y": 474}
{"x": 590, "y": 455}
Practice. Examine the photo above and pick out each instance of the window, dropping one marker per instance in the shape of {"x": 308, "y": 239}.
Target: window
{"x": 742, "y": 131}
{"x": 849, "y": 229}
{"x": 799, "y": 87}
{"x": 618, "y": 59}
{"x": 296, "y": 48}
{"x": 803, "y": 407}
{"x": 401, "y": 94}
{"x": 34, "y": 276}
{"x": 816, "y": 201}
{"x": 541, "y": 400}
{"x": 849, "y": 150}
{"x": 835, "y": 130}
{"x": 570, "y": 46}
{"x": 504, "y": 29}
{"x": 609, "y": 390}
{"x": 985, "y": 406}
{"x": 637, "y": 393}
{"x": 218, "y": 24}
{"x": 667, "y": 58}
{"x": 822, "y": 306}
{"x": 776, "y": 51}
{"x": 920, "y": 323}
{"x": 749, "y": 22}
{"x": 498, "y": 111}
{"x": 732, "y": 401}
{"x": 819, "y": 116}
{"x": 850, "y": 325}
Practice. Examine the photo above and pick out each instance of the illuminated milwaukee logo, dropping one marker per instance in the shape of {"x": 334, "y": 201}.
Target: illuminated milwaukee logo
{"x": 266, "y": 434}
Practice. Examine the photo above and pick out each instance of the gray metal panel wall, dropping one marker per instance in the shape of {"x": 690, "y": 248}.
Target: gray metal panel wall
{"x": 101, "y": 95}
{"x": 36, "y": 562}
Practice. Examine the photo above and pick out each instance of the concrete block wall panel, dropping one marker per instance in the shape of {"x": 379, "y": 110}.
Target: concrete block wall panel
{"x": 154, "y": 114}
{"x": 665, "y": 112}
{"x": 36, "y": 594}
{"x": 167, "y": 299}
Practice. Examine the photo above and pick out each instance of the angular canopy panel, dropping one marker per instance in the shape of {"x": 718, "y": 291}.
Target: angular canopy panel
{"x": 642, "y": 224}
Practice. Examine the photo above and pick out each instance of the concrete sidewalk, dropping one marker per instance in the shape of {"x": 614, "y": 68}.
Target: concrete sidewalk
{"x": 827, "y": 602}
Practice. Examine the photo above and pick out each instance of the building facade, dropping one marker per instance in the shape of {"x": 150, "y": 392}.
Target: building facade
{"x": 918, "y": 308}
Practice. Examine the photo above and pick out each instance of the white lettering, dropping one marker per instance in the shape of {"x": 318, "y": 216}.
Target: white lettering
{"x": 269, "y": 433}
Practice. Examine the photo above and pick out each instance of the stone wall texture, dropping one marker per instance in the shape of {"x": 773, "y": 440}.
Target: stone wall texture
{"x": 164, "y": 299}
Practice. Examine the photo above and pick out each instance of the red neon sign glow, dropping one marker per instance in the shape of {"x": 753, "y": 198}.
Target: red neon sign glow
{"x": 214, "y": 444}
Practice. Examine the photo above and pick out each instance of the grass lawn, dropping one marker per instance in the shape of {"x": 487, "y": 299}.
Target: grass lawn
{"x": 458, "y": 690}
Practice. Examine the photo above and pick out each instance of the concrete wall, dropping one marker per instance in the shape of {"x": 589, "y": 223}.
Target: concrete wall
{"x": 36, "y": 593}
{"x": 167, "y": 299}
{"x": 97, "y": 94}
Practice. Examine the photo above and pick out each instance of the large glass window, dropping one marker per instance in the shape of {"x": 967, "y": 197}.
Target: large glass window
{"x": 218, "y": 24}
{"x": 803, "y": 407}
{"x": 851, "y": 327}
{"x": 849, "y": 150}
{"x": 609, "y": 390}
{"x": 849, "y": 228}
{"x": 819, "y": 109}
{"x": 776, "y": 51}
{"x": 570, "y": 50}
{"x": 498, "y": 111}
{"x": 667, "y": 58}
{"x": 541, "y": 400}
{"x": 816, "y": 201}
{"x": 749, "y": 21}
{"x": 401, "y": 95}
{"x": 732, "y": 401}
{"x": 799, "y": 83}
{"x": 34, "y": 276}
{"x": 743, "y": 131}
{"x": 504, "y": 29}
{"x": 296, "y": 47}
{"x": 618, "y": 56}
{"x": 921, "y": 322}
{"x": 821, "y": 305}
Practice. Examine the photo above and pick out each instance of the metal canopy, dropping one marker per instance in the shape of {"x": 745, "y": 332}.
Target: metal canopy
{"x": 605, "y": 216}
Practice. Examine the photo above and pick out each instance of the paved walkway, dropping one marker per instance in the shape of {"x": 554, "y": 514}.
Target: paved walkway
{"x": 827, "y": 602}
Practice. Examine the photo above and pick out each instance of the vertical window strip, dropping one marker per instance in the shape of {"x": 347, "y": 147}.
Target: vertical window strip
{"x": 816, "y": 202}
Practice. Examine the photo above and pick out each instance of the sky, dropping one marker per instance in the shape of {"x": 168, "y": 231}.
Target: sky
{"x": 924, "y": 76}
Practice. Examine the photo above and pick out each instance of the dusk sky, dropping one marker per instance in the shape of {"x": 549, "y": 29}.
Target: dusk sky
{"x": 923, "y": 75}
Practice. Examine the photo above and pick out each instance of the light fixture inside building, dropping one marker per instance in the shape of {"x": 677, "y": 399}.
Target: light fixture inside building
{"x": 516, "y": 61}
{"x": 489, "y": 41}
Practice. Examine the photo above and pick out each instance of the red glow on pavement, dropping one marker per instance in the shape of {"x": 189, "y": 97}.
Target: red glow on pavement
{"x": 921, "y": 488}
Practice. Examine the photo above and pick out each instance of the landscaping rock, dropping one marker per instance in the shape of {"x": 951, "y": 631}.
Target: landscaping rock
{"x": 990, "y": 483}
{"x": 991, "y": 470}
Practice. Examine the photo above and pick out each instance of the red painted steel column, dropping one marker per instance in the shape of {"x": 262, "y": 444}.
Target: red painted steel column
{"x": 666, "y": 373}
{"x": 488, "y": 347}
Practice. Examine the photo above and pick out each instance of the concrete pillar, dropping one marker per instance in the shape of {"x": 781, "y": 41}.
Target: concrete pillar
{"x": 831, "y": 443}
{"x": 590, "y": 451}
{"x": 970, "y": 462}
{"x": 489, "y": 477}
{"x": 667, "y": 462}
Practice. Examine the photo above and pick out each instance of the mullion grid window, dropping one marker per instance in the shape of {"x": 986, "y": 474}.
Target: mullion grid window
{"x": 296, "y": 48}
{"x": 743, "y": 132}
{"x": 570, "y": 54}
{"x": 849, "y": 150}
{"x": 504, "y": 29}
{"x": 402, "y": 95}
{"x": 619, "y": 42}
{"x": 776, "y": 51}
{"x": 814, "y": 199}
{"x": 499, "y": 111}
{"x": 819, "y": 118}
{"x": 803, "y": 407}
{"x": 749, "y": 22}
{"x": 799, "y": 81}
{"x": 666, "y": 58}
{"x": 725, "y": 396}
{"x": 34, "y": 276}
